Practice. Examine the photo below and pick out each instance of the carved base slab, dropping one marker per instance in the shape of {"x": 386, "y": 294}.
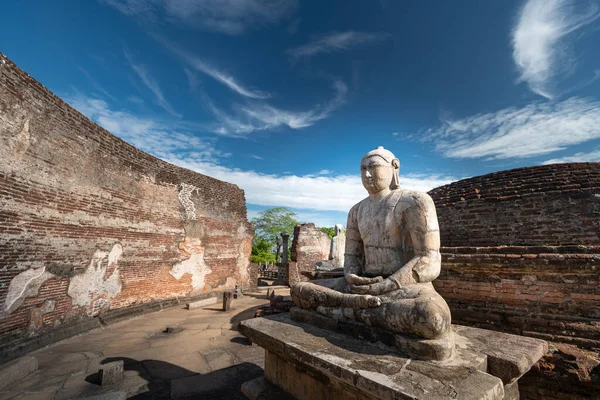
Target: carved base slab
{"x": 313, "y": 363}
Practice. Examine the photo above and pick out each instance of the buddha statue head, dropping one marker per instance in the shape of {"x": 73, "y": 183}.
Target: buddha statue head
{"x": 379, "y": 170}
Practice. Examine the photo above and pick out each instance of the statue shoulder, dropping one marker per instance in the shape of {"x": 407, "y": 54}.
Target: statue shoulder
{"x": 352, "y": 215}
{"x": 406, "y": 199}
{"x": 355, "y": 207}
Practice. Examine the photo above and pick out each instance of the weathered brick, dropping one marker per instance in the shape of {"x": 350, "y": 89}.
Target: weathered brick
{"x": 69, "y": 189}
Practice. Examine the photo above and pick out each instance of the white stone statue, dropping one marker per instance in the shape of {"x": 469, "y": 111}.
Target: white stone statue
{"x": 391, "y": 257}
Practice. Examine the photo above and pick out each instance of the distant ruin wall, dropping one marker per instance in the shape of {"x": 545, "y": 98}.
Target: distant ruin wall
{"x": 90, "y": 224}
{"x": 310, "y": 245}
{"x": 521, "y": 254}
{"x": 521, "y": 251}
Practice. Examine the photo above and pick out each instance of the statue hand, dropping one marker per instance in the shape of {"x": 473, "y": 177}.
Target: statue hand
{"x": 353, "y": 279}
{"x": 375, "y": 289}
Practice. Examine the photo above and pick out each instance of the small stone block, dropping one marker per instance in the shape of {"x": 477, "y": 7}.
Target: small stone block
{"x": 110, "y": 373}
{"x": 227, "y": 298}
{"x": 270, "y": 293}
{"x": 16, "y": 370}
{"x": 201, "y": 303}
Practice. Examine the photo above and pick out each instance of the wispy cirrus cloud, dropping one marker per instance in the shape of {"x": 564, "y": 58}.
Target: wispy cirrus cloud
{"x": 202, "y": 66}
{"x": 151, "y": 84}
{"x": 533, "y": 130}
{"x": 592, "y": 156}
{"x": 541, "y": 47}
{"x": 158, "y": 137}
{"x": 258, "y": 116}
{"x": 232, "y": 17}
{"x": 185, "y": 148}
{"x": 334, "y": 42}
{"x": 95, "y": 84}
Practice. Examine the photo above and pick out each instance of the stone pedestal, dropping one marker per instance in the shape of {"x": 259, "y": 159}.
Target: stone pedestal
{"x": 314, "y": 363}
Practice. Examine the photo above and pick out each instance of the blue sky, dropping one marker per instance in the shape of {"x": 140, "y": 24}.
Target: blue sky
{"x": 283, "y": 98}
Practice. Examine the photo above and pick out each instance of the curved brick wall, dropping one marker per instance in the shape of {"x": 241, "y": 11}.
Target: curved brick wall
{"x": 521, "y": 254}
{"x": 521, "y": 251}
{"x": 91, "y": 226}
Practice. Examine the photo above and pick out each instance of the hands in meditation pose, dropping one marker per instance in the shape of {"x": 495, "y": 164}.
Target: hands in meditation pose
{"x": 391, "y": 257}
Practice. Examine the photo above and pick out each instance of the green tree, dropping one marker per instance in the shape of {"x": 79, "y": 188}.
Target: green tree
{"x": 262, "y": 251}
{"x": 330, "y": 231}
{"x": 270, "y": 223}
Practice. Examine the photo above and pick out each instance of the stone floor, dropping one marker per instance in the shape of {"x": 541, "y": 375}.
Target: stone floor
{"x": 204, "y": 358}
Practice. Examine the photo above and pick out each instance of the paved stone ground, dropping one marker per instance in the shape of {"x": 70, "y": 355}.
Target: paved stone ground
{"x": 205, "y": 358}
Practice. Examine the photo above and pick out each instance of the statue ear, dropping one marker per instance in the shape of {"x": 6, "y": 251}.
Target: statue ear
{"x": 396, "y": 163}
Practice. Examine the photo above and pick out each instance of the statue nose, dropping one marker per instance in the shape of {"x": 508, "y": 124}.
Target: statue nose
{"x": 367, "y": 173}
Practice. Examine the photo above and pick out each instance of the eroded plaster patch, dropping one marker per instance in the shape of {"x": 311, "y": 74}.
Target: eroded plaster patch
{"x": 229, "y": 283}
{"x": 92, "y": 289}
{"x": 26, "y": 284}
{"x": 194, "y": 265}
{"x": 36, "y": 316}
{"x": 185, "y": 198}
{"x": 21, "y": 142}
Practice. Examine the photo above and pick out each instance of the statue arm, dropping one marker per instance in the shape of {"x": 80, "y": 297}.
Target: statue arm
{"x": 420, "y": 221}
{"x": 354, "y": 253}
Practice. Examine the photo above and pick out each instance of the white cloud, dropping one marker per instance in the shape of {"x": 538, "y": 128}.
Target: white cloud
{"x": 593, "y": 156}
{"x": 394, "y": 133}
{"x": 541, "y": 48}
{"x": 232, "y": 17}
{"x": 151, "y": 84}
{"x": 335, "y": 193}
{"x": 257, "y": 157}
{"x": 183, "y": 148}
{"x": 255, "y": 116}
{"x": 536, "y": 129}
{"x": 336, "y": 41}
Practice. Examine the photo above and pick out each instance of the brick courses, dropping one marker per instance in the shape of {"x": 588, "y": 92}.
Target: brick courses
{"x": 70, "y": 190}
{"x": 521, "y": 254}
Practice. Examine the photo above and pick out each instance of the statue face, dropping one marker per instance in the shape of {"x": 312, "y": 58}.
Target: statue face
{"x": 376, "y": 174}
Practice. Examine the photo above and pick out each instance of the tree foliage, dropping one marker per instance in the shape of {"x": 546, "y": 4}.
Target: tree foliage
{"x": 268, "y": 226}
{"x": 262, "y": 251}
{"x": 330, "y": 231}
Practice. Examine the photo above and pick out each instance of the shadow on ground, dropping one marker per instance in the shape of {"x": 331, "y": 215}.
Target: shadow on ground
{"x": 169, "y": 381}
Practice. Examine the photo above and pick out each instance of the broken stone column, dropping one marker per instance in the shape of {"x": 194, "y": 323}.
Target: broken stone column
{"x": 338, "y": 245}
{"x": 227, "y": 298}
{"x": 284, "y": 256}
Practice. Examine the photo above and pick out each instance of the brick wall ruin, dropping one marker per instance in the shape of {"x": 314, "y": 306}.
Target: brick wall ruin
{"x": 310, "y": 245}
{"x": 90, "y": 224}
{"x": 521, "y": 254}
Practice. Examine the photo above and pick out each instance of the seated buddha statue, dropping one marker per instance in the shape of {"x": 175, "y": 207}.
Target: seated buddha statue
{"x": 391, "y": 257}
